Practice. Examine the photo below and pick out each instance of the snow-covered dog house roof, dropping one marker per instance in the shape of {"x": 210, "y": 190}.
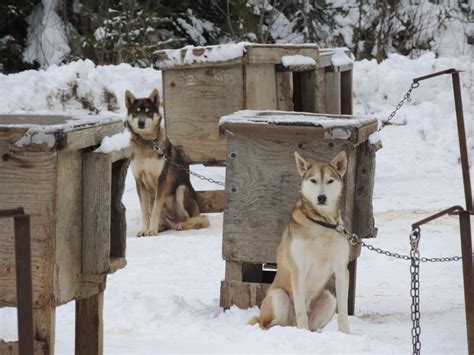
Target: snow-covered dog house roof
{"x": 202, "y": 84}
{"x": 56, "y": 132}
{"x": 320, "y": 126}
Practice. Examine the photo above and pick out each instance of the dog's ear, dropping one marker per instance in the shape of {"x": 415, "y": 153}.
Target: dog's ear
{"x": 129, "y": 98}
{"x": 340, "y": 163}
{"x": 155, "y": 97}
{"x": 302, "y": 164}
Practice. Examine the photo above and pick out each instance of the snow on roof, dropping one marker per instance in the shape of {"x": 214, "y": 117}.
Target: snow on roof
{"x": 289, "y": 118}
{"x": 168, "y": 58}
{"x": 44, "y": 129}
{"x": 218, "y": 53}
{"x": 340, "y": 58}
{"x": 116, "y": 142}
{"x": 336, "y": 126}
{"x": 297, "y": 59}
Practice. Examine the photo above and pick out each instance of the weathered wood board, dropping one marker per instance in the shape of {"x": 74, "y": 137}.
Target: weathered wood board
{"x": 263, "y": 184}
{"x": 333, "y": 92}
{"x": 28, "y": 181}
{"x": 194, "y": 101}
{"x": 11, "y": 348}
{"x": 68, "y": 228}
{"x": 96, "y": 221}
{"x": 242, "y": 294}
{"x": 260, "y": 87}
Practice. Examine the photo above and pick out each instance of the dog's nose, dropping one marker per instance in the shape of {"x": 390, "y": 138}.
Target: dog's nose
{"x": 322, "y": 199}
{"x": 141, "y": 124}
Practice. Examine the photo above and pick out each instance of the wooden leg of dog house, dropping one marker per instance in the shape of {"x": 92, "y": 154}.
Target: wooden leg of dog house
{"x": 352, "y": 286}
{"x": 89, "y": 325}
{"x": 44, "y": 326}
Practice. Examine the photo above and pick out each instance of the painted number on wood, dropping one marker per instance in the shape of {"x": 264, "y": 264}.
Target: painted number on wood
{"x": 187, "y": 80}
{"x": 222, "y": 76}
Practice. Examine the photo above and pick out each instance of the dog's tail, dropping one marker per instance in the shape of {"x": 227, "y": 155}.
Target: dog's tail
{"x": 254, "y": 320}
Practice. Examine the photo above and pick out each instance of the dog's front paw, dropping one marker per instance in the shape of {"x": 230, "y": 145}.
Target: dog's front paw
{"x": 141, "y": 233}
{"x": 151, "y": 232}
{"x": 147, "y": 233}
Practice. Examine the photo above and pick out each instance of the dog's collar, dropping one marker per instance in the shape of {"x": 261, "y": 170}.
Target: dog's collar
{"x": 141, "y": 140}
{"x": 321, "y": 223}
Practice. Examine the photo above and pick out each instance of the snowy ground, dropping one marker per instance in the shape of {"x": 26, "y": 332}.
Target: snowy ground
{"x": 166, "y": 299}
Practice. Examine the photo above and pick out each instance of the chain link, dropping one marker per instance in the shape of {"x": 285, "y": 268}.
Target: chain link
{"x": 354, "y": 239}
{"x": 415, "y": 260}
{"x": 406, "y": 98}
{"x": 160, "y": 152}
{"x": 415, "y": 290}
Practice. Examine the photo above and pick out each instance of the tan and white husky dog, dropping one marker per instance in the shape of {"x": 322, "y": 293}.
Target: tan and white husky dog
{"x": 310, "y": 252}
{"x": 167, "y": 198}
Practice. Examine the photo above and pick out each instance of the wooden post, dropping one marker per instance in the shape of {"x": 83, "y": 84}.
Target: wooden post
{"x": 44, "y": 326}
{"x": 96, "y": 201}
{"x": 333, "y": 92}
{"x": 260, "y": 87}
{"x": 89, "y": 325}
{"x": 24, "y": 290}
{"x": 284, "y": 87}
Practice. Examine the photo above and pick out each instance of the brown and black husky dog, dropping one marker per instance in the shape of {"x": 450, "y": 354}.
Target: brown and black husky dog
{"x": 167, "y": 198}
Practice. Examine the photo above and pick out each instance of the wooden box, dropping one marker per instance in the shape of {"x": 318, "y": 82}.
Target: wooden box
{"x": 262, "y": 185}
{"x": 202, "y": 84}
{"x": 73, "y": 195}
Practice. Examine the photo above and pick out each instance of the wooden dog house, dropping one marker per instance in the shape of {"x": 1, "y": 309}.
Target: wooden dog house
{"x": 202, "y": 84}
{"x": 78, "y": 230}
{"x": 262, "y": 185}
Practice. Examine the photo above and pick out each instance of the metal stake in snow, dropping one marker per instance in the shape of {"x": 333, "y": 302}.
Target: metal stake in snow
{"x": 464, "y": 221}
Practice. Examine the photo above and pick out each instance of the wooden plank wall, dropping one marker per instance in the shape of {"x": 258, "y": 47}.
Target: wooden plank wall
{"x": 333, "y": 92}
{"x": 260, "y": 87}
{"x": 194, "y": 101}
{"x": 97, "y": 197}
{"x": 262, "y": 184}
{"x": 284, "y": 87}
{"x": 29, "y": 181}
{"x": 68, "y": 234}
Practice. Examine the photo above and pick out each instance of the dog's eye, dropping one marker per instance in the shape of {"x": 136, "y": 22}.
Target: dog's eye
{"x": 147, "y": 110}
{"x": 330, "y": 181}
{"x": 137, "y": 109}
{"x": 314, "y": 181}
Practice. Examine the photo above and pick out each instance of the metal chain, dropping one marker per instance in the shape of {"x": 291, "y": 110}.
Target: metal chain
{"x": 415, "y": 259}
{"x": 354, "y": 239}
{"x": 406, "y": 98}
{"x": 160, "y": 152}
{"x": 415, "y": 290}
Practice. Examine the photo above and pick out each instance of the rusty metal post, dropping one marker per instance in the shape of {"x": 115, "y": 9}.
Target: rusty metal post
{"x": 24, "y": 289}
{"x": 468, "y": 276}
{"x": 462, "y": 141}
{"x": 464, "y": 215}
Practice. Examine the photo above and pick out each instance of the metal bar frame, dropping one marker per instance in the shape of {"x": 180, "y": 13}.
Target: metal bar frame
{"x": 464, "y": 214}
{"x": 24, "y": 287}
